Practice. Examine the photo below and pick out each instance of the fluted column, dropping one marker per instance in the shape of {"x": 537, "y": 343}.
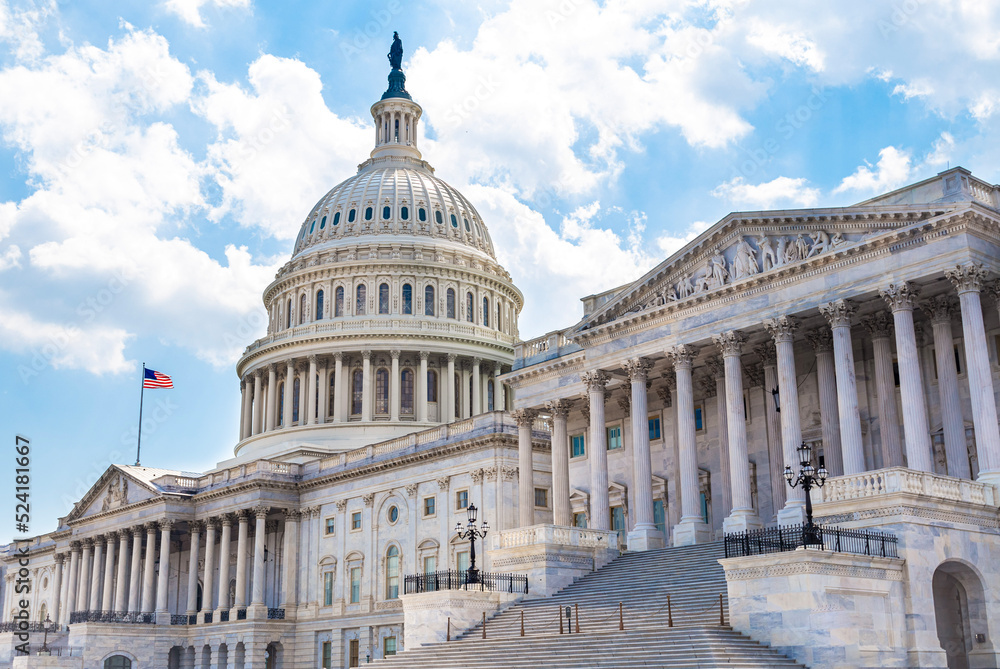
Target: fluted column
{"x": 477, "y": 393}
{"x": 74, "y": 568}
{"x": 260, "y": 533}
{"x": 208, "y": 585}
{"x": 105, "y": 603}
{"x": 95, "y": 575}
{"x": 302, "y": 371}
{"x": 147, "y": 575}
{"x": 135, "y": 575}
{"x": 775, "y": 451}
{"x": 225, "y": 551}
{"x": 366, "y": 385}
{"x": 338, "y": 387}
{"x": 311, "y": 392}
{"x": 743, "y": 516}
{"x": 163, "y": 578}
{"x": 324, "y": 391}
{"x": 84, "y": 578}
{"x": 600, "y": 506}
{"x": 258, "y": 403}
{"x": 940, "y": 310}
{"x": 561, "y": 512}
{"x": 782, "y": 330}
{"x": 449, "y": 409}
{"x": 244, "y": 409}
{"x": 291, "y": 559}
{"x": 499, "y": 398}
{"x": 57, "y": 581}
{"x": 287, "y": 399}
{"x": 968, "y": 279}
{"x": 422, "y": 388}
{"x": 916, "y": 432}
{"x": 241, "y": 559}
{"x": 692, "y": 528}
{"x": 272, "y": 397}
{"x": 192, "y": 584}
{"x": 838, "y": 313}
{"x": 879, "y": 326}
{"x": 122, "y": 578}
{"x": 394, "y": 396}
{"x": 826, "y": 381}
{"x": 718, "y": 369}
{"x": 644, "y": 535}
{"x": 525, "y": 418}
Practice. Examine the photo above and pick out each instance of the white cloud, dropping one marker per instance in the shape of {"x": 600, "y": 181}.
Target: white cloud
{"x": 190, "y": 10}
{"x": 10, "y": 258}
{"x": 782, "y": 190}
{"x": 915, "y": 89}
{"x": 787, "y": 43}
{"x": 941, "y": 151}
{"x": 891, "y": 171}
{"x": 670, "y": 243}
{"x": 19, "y": 27}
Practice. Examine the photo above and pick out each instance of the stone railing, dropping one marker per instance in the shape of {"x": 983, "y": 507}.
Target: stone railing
{"x": 903, "y": 480}
{"x": 550, "y": 343}
{"x": 537, "y": 535}
{"x": 172, "y": 481}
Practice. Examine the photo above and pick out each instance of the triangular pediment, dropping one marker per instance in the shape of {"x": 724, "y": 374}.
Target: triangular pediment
{"x": 117, "y": 488}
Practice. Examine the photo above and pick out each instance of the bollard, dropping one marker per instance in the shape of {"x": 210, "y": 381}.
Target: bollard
{"x": 559, "y": 611}
{"x": 484, "y": 624}
{"x": 670, "y": 613}
{"x": 522, "y": 622}
{"x": 448, "y": 637}
{"x": 576, "y": 611}
{"x": 621, "y": 620}
{"x": 722, "y": 615}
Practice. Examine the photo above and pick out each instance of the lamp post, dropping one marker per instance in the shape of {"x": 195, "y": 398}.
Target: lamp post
{"x": 808, "y": 478}
{"x": 46, "y": 625}
{"x": 471, "y": 532}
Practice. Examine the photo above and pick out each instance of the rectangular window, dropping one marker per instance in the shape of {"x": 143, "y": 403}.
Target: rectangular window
{"x": 618, "y": 518}
{"x": 462, "y": 499}
{"x": 699, "y": 417}
{"x": 327, "y": 588}
{"x": 462, "y": 558}
{"x": 660, "y": 515}
{"x": 430, "y": 564}
{"x": 327, "y": 655}
{"x": 579, "y": 520}
{"x": 704, "y": 507}
{"x": 542, "y": 498}
{"x": 389, "y": 646}
{"x": 331, "y": 525}
{"x": 429, "y": 506}
{"x": 356, "y": 521}
{"x": 614, "y": 437}
{"x": 654, "y": 428}
{"x": 355, "y": 585}
{"x": 354, "y": 649}
{"x": 578, "y": 446}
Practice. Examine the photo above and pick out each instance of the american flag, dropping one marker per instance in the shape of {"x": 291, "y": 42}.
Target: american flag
{"x": 153, "y": 379}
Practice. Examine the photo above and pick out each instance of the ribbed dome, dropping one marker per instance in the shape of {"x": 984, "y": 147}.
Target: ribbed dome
{"x": 393, "y": 195}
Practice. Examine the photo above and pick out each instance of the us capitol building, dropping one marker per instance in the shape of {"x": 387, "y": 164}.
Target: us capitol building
{"x": 392, "y": 392}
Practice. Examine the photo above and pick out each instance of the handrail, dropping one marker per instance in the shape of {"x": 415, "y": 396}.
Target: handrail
{"x": 460, "y": 580}
{"x": 790, "y": 537}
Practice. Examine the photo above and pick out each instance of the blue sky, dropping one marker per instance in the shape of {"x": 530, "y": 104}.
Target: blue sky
{"x": 159, "y": 158}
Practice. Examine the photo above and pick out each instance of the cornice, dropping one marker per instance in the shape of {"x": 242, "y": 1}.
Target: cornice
{"x": 542, "y": 371}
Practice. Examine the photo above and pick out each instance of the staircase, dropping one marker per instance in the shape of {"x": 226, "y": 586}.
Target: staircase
{"x": 640, "y": 582}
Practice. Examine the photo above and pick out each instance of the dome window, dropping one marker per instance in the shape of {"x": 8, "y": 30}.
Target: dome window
{"x": 470, "y": 308}
{"x": 312, "y": 227}
{"x": 338, "y": 303}
{"x": 422, "y": 214}
{"x": 369, "y": 213}
{"x": 450, "y": 303}
{"x": 404, "y": 213}
{"x": 486, "y": 311}
{"x": 386, "y": 213}
{"x": 428, "y": 300}
{"x": 438, "y": 217}
{"x": 466, "y": 221}
{"x": 336, "y": 218}
{"x": 322, "y": 224}
{"x": 351, "y": 216}
{"x": 406, "y": 394}
{"x": 454, "y": 221}
{"x": 407, "y": 298}
{"x": 383, "y": 298}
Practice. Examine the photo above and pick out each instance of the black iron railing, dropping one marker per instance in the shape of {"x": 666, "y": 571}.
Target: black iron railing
{"x": 128, "y": 618}
{"x": 790, "y": 537}
{"x": 241, "y": 614}
{"x": 223, "y": 616}
{"x": 275, "y": 614}
{"x": 460, "y": 580}
{"x": 176, "y": 619}
{"x": 208, "y": 616}
{"x": 26, "y": 626}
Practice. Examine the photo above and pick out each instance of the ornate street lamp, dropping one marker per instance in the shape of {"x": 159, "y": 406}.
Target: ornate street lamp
{"x": 46, "y": 625}
{"x": 471, "y": 532}
{"x": 808, "y": 478}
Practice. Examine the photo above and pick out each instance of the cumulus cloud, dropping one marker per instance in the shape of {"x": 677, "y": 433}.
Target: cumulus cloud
{"x": 891, "y": 171}
{"x": 671, "y": 243}
{"x": 190, "y": 10}
{"x": 782, "y": 190}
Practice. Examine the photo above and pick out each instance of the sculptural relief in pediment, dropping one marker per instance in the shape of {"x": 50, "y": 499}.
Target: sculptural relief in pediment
{"x": 116, "y": 493}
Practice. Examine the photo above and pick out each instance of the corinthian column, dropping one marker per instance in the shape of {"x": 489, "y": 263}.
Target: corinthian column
{"x": 225, "y": 551}
{"x": 258, "y": 403}
{"x": 310, "y": 406}
{"x": 272, "y": 396}
{"x": 287, "y": 399}
{"x": 366, "y": 385}
{"x": 525, "y": 418}
{"x": 940, "y": 310}
{"x": 782, "y": 330}
{"x": 290, "y": 566}
{"x": 147, "y": 573}
{"x": 718, "y": 370}
{"x": 900, "y": 298}
{"x": 692, "y": 528}
{"x": 208, "y": 587}
{"x": 74, "y": 568}
{"x": 163, "y": 578}
{"x": 106, "y": 604}
{"x": 394, "y": 394}
{"x": 260, "y": 534}
{"x": 241, "y": 559}
{"x": 561, "y": 514}
{"x": 477, "y": 395}
{"x": 192, "y": 584}
{"x": 95, "y": 578}
{"x": 644, "y": 535}
{"x": 338, "y": 387}
{"x": 879, "y": 327}
{"x": 839, "y": 313}
{"x": 120, "y": 581}
{"x": 449, "y": 401}
{"x": 135, "y": 575}
{"x": 600, "y": 505}
{"x": 422, "y": 388}
{"x": 82, "y": 584}
{"x": 244, "y": 408}
{"x": 57, "y": 612}
{"x": 775, "y": 451}
{"x": 968, "y": 280}
{"x": 826, "y": 381}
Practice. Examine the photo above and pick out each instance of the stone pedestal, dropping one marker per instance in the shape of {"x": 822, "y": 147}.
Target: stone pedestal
{"x": 741, "y": 520}
{"x": 645, "y": 539}
{"x": 687, "y": 533}
{"x": 551, "y": 556}
{"x": 427, "y": 616}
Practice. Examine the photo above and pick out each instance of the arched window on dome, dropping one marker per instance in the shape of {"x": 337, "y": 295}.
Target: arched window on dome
{"x": 382, "y": 391}
{"x": 302, "y": 308}
{"x": 428, "y": 300}
{"x": 338, "y": 301}
{"x": 454, "y": 221}
{"x": 383, "y": 298}
{"x": 362, "y": 298}
{"x": 406, "y": 392}
{"x": 407, "y": 298}
{"x": 288, "y": 314}
{"x": 296, "y": 390}
{"x": 332, "y": 401}
{"x": 319, "y": 305}
{"x": 369, "y": 213}
{"x": 470, "y": 308}
{"x": 404, "y": 213}
{"x": 489, "y": 395}
{"x": 281, "y": 404}
{"x": 322, "y": 223}
{"x": 352, "y": 215}
{"x": 312, "y": 227}
{"x": 422, "y": 214}
{"x": 439, "y": 218}
{"x": 336, "y": 219}
{"x": 386, "y": 213}
{"x": 357, "y": 391}
{"x": 466, "y": 221}
{"x": 450, "y": 303}
{"x": 432, "y": 385}
{"x": 486, "y": 312}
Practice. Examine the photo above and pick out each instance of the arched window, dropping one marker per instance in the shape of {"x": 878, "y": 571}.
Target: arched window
{"x": 351, "y": 215}
{"x": 302, "y": 309}
{"x": 281, "y": 403}
{"x": 118, "y": 662}
{"x": 454, "y": 221}
{"x": 319, "y": 305}
{"x": 386, "y": 212}
{"x": 406, "y": 392}
{"x": 312, "y": 227}
{"x": 336, "y": 218}
{"x": 369, "y": 213}
{"x": 322, "y": 224}
{"x": 288, "y": 314}
{"x": 458, "y": 395}
{"x": 422, "y": 214}
{"x": 438, "y": 217}
{"x": 382, "y": 391}
{"x": 428, "y": 300}
{"x": 332, "y": 401}
{"x": 489, "y": 395}
{"x": 296, "y": 387}
{"x": 486, "y": 312}
{"x": 450, "y": 300}
{"x": 466, "y": 221}
{"x": 407, "y": 298}
{"x": 357, "y": 391}
{"x": 392, "y": 573}
{"x": 432, "y": 385}
{"x": 338, "y": 301}
{"x": 404, "y": 213}
{"x": 383, "y": 298}
{"x": 362, "y": 294}
{"x": 470, "y": 308}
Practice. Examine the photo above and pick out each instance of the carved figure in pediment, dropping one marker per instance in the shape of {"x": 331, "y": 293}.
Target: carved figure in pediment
{"x": 702, "y": 283}
{"x": 717, "y": 266}
{"x": 838, "y": 241}
{"x": 779, "y": 252}
{"x": 116, "y": 494}
{"x": 669, "y": 294}
{"x": 684, "y": 288}
{"x": 768, "y": 259}
{"x": 745, "y": 261}
{"x": 820, "y": 243}
{"x": 801, "y": 246}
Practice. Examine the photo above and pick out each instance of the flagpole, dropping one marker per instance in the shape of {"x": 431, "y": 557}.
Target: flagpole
{"x": 142, "y": 388}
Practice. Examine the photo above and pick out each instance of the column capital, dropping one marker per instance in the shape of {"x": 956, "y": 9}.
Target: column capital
{"x": 211, "y": 523}
{"x": 637, "y": 368}
{"x": 411, "y": 489}
{"x": 313, "y": 359}
{"x": 242, "y": 515}
{"x": 767, "y": 353}
{"x": 87, "y": 543}
{"x": 339, "y": 355}
{"x": 292, "y": 515}
{"x": 395, "y": 353}
{"x": 821, "y": 340}
{"x": 366, "y": 354}
{"x": 151, "y": 527}
{"x": 60, "y": 558}
{"x": 477, "y": 475}
{"x": 443, "y": 482}
{"x": 939, "y": 308}
{"x": 247, "y": 380}
{"x": 451, "y": 357}
{"x": 595, "y": 380}
{"x": 879, "y": 325}
{"x": 166, "y": 525}
{"x": 716, "y": 366}
{"x": 730, "y": 342}
{"x": 99, "y": 540}
{"x": 368, "y": 499}
{"x": 226, "y": 519}
{"x": 993, "y": 290}
{"x": 900, "y": 296}
{"x": 424, "y": 355}
{"x": 838, "y": 313}
{"x": 476, "y": 361}
{"x": 123, "y": 533}
{"x": 271, "y": 367}
{"x": 260, "y": 511}
{"x": 341, "y": 505}
{"x": 497, "y": 369}
{"x": 524, "y": 417}
{"x": 967, "y": 278}
{"x": 196, "y": 526}
{"x": 509, "y": 473}
{"x": 559, "y": 408}
{"x": 257, "y": 374}
{"x": 683, "y": 355}
{"x": 781, "y": 328}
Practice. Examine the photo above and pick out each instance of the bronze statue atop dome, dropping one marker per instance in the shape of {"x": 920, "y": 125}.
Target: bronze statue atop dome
{"x": 395, "y": 54}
